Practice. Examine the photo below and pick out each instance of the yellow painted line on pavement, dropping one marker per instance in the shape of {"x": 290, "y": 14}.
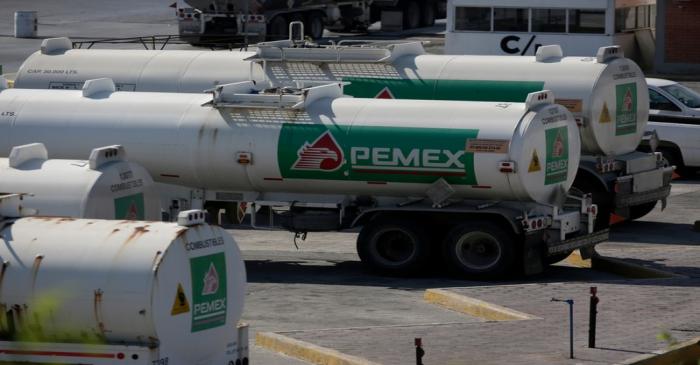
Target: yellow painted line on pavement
{"x": 306, "y": 351}
{"x": 686, "y": 353}
{"x": 474, "y": 307}
{"x": 619, "y": 267}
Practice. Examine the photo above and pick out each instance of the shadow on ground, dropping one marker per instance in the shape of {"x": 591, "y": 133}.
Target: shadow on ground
{"x": 656, "y": 233}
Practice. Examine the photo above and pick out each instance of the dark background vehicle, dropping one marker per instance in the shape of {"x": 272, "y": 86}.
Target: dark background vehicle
{"x": 250, "y": 21}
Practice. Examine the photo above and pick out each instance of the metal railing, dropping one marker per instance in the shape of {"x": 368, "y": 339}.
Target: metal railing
{"x": 159, "y": 42}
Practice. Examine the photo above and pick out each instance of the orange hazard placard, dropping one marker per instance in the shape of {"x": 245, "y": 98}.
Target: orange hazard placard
{"x": 574, "y": 105}
{"x": 487, "y": 145}
{"x": 180, "y": 305}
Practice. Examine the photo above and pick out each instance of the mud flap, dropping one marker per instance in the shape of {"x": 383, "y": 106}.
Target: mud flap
{"x": 533, "y": 254}
{"x": 587, "y": 252}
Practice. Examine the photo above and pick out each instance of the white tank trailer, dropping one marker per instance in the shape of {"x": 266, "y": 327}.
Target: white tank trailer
{"x": 606, "y": 93}
{"x": 106, "y": 186}
{"x": 105, "y": 292}
{"x": 335, "y": 161}
{"x": 587, "y": 86}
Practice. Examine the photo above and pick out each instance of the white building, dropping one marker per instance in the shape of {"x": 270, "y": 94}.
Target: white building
{"x": 519, "y": 27}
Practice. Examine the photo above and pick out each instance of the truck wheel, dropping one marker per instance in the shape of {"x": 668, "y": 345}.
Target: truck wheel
{"x": 396, "y": 247}
{"x": 278, "y": 28}
{"x": 314, "y": 25}
{"x": 427, "y": 15}
{"x": 479, "y": 249}
{"x": 411, "y": 14}
{"x": 639, "y": 211}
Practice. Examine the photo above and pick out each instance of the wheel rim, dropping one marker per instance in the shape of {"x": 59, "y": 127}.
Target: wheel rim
{"x": 394, "y": 246}
{"x": 478, "y": 250}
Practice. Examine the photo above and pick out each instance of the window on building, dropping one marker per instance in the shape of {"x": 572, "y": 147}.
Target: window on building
{"x": 472, "y": 18}
{"x": 510, "y": 20}
{"x": 549, "y": 20}
{"x": 587, "y": 21}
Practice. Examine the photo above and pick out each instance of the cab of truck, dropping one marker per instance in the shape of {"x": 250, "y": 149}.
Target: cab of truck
{"x": 674, "y": 113}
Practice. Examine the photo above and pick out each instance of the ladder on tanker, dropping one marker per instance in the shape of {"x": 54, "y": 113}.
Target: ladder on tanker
{"x": 300, "y": 50}
{"x": 244, "y": 95}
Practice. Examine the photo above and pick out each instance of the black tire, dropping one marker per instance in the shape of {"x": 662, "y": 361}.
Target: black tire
{"x": 278, "y": 28}
{"x": 411, "y": 14}
{"x": 639, "y": 211}
{"x": 231, "y": 213}
{"x": 212, "y": 209}
{"x": 313, "y": 26}
{"x": 395, "y": 247}
{"x": 601, "y": 197}
{"x": 479, "y": 250}
{"x": 428, "y": 14}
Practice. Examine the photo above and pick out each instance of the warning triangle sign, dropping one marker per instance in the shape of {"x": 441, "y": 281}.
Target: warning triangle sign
{"x": 605, "y": 114}
{"x": 180, "y": 305}
{"x": 534, "y": 163}
{"x": 385, "y": 93}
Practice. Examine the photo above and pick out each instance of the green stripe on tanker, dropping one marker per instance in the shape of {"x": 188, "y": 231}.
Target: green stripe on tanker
{"x": 370, "y": 153}
{"x": 473, "y": 90}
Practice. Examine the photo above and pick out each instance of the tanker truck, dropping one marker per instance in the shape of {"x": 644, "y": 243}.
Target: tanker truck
{"x": 200, "y": 21}
{"x": 606, "y": 93}
{"x": 104, "y": 292}
{"x": 105, "y": 186}
{"x": 480, "y": 186}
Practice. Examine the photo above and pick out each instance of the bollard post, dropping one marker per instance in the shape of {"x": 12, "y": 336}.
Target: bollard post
{"x": 570, "y": 302}
{"x": 419, "y": 351}
{"x": 592, "y": 317}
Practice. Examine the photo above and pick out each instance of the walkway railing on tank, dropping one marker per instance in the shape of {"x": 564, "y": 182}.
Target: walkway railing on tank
{"x": 159, "y": 42}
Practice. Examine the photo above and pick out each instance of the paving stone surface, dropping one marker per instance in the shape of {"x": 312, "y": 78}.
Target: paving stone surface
{"x": 662, "y": 240}
{"x": 631, "y": 316}
{"x": 331, "y": 301}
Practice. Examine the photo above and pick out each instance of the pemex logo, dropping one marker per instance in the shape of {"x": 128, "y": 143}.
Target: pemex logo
{"x": 385, "y": 93}
{"x": 626, "y": 109}
{"x": 557, "y": 158}
{"x": 558, "y": 146}
{"x": 211, "y": 281}
{"x": 133, "y": 212}
{"x": 324, "y": 154}
{"x": 209, "y": 294}
{"x": 130, "y": 207}
{"x": 627, "y": 101}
